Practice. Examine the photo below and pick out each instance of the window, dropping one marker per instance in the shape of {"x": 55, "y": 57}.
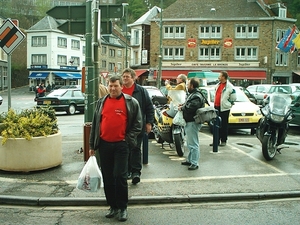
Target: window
{"x": 61, "y": 42}
{"x": 119, "y": 66}
{"x": 62, "y": 60}
{"x": 209, "y": 53}
{"x": 104, "y": 50}
{"x": 111, "y": 66}
{"x": 76, "y": 61}
{"x": 173, "y": 53}
{"x": 281, "y": 58}
{"x": 279, "y": 35}
{"x": 75, "y": 44}
{"x": 246, "y": 53}
{"x": 39, "y": 59}
{"x": 174, "y": 32}
{"x": 282, "y": 13}
{"x": 246, "y": 31}
{"x": 136, "y": 38}
{"x": 119, "y": 53}
{"x": 39, "y": 41}
{"x": 210, "y": 32}
{"x": 103, "y": 64}
{"x": 112, "y": 52}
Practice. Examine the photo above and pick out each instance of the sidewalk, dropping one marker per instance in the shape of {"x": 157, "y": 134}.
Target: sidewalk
{"x": 231, "y": 174}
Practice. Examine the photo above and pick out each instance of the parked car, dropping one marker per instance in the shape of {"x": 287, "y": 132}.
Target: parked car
{"x": 248, "y": 94}
{"x": 1, "y": 100}
{"x": 156, "y": 94}
{"x": 243, "y": 115}
{"x": 259, "y": 91}
{"x": 296, "y": 110}
{"x": 281, "y": 88}
{"x": 69, "y": 100}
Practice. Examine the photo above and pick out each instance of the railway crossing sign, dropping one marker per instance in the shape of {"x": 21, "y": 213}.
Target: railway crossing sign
{"x": 10, "y": 36}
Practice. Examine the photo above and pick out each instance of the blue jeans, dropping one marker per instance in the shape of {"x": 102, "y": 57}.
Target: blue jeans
{"x": 114, "y": 165}
{"x": 192, "y": 141}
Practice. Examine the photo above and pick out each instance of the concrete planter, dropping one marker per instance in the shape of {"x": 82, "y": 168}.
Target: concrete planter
{"x": 39, "y": 153}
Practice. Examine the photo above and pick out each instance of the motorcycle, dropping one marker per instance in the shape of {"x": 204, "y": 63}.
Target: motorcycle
{"x": 274, "y": 125}
{"x": 164, "y": 129}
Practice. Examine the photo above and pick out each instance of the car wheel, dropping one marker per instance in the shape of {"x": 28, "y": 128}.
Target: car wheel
{"x": 71, "y": 109}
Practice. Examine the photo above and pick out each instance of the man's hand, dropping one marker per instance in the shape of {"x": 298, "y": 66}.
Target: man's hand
{"x": 148, "y": 128}
{"x": 91, "y": 152}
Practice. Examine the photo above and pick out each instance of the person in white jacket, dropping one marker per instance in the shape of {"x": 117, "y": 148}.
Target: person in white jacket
{"x": 224, "y": 99}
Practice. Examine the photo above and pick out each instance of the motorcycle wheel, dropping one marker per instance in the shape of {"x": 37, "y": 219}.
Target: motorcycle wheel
{"x": 178, "y": 144}
{"x": 268, "y": 147}
{"x": 157, "y": 136}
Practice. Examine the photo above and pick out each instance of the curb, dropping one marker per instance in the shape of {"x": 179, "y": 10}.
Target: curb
{"x": 142, "y": 200}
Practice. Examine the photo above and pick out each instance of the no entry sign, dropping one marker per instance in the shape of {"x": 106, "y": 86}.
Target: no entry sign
{"x": 10, "y": 36}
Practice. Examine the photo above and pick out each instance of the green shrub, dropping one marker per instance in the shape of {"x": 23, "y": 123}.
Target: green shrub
{"x": 28, "y": 123}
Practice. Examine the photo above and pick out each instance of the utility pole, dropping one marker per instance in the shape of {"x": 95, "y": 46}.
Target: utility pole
{"x": 159, "y": 75}
{"x": 126, "y": 37}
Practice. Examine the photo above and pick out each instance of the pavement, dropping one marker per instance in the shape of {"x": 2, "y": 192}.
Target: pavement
{"x": 236, "y": 172}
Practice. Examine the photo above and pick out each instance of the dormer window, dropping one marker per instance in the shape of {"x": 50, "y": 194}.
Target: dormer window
{"x": 282, "y": 13}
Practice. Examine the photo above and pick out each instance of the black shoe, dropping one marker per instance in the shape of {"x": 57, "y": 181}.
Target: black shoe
{"x": 123, "y": 215}
{"x": 136, "y": 178}
{"x": 112, "y": 212}
{"x": 129, "y": 175}
{"x": 186, "y": 163}
{"x": 193, "y": 167}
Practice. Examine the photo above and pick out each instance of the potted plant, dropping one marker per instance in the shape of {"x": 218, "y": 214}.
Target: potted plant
{"x": 30, "y": 140}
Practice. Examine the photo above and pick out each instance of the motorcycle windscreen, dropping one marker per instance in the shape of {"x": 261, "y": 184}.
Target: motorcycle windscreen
{"x": 177, "y": 96}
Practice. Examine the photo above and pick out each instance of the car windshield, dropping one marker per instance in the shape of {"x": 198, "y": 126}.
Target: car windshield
{"x": 57, "y": 93}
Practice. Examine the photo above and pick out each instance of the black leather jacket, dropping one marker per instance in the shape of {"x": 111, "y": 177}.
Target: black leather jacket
{"x": 134, "y": 122}
{"x": 193, "y": 102}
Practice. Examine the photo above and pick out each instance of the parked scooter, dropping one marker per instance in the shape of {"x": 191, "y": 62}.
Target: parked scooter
{"x": 163, "y": 128}
{"x": 274, "y": 125}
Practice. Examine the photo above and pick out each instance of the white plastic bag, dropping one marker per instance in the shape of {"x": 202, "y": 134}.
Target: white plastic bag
{"x": 90, "y": 178}
{"x": 178, "y": 119}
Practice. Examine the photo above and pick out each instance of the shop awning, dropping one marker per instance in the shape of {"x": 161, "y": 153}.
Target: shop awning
{"x": 247, "y": 75}
{"x": 297, "y": 72}
{"x": 140, "y": 72}
{"x": 171, "y": 74}
{"x": 68, "y": 75}
{"x": 38, "y": 75}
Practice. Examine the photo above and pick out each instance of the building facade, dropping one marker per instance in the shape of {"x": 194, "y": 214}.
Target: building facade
{"x": 239, "y": 37}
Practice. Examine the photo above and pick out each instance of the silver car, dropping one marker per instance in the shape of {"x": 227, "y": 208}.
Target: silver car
{"x": 259, "y": 91}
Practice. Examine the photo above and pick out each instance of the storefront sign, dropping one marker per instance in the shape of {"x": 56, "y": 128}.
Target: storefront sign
{"x": 210, "y": 64}
{"x": 227, "y": 43}
{"x": 209, "y": 42}
{"x": 191, "y": 42}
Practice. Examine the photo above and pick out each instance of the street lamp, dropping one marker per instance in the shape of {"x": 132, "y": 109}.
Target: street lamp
{"x": 159, "y": 75}
{"x": 126, "y": 44}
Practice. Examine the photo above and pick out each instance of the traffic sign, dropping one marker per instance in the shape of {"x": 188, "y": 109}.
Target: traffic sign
{"x": 10, "y": 36}
{"x": 76, "y": 17}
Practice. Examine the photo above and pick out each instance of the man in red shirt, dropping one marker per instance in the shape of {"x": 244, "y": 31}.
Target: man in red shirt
{"x": 224, "y": 99}
{"x": 116, "y": 123}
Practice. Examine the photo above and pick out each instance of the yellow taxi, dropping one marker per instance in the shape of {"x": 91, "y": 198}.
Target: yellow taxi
{"x": 244, "y": 114}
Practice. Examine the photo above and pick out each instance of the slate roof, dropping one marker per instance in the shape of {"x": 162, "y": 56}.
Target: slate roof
{"x": 47, "y": 23}
{"x": 145, "y": 19}
{"x": 185, "y": 9}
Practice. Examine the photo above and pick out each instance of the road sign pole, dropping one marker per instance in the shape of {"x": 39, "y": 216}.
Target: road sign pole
{"x": 95, "y": 46}
{"x": 8, "y": 81}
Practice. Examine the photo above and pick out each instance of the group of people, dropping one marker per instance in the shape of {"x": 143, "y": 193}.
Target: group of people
{"x": 125, "y": 113}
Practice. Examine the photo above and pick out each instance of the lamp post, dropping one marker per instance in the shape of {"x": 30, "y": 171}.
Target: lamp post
{"x": 126, "y": 44}
{"x": 158, "y": 82}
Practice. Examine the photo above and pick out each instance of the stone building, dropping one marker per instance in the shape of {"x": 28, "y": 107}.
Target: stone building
{"x": 214, "y": 35}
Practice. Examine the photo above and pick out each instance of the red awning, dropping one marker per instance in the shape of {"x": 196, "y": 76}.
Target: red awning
{"x": 140, "y": 72}
{"x": 248, "y": 75}
{"x": 171, "y": 74}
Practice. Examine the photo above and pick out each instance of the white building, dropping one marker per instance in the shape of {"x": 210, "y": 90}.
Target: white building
{"x": 54, "y": 57}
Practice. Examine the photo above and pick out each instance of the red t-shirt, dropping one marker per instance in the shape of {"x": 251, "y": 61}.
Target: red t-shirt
{"x": 114, "y": 120}
{"x": 128, "y": 91}
{"x": 218, "y": 94}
